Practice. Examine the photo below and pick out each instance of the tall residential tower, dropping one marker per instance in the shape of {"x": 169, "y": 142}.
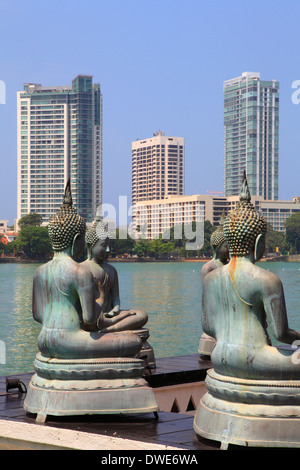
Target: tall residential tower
{"x": 59, "y": 136}
{"x": 157, "y": 167}
{"x": 251, "y": 122}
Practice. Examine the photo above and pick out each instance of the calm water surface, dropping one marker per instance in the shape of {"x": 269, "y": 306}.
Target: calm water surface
{"x": 169, "y": 292}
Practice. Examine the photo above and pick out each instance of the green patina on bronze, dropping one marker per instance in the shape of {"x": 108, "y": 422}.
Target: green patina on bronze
{"x": 79, "y": 369}
{"x": 64, "y": 297}
{"x": 220, "y": 258}
{"x": 249, "y": 385}
{"x": 110, "y": 316}
{"x": 220, "y": 250}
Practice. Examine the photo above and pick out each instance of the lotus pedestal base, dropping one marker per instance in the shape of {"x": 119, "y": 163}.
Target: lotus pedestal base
{"x": 256, "y": 413}
{"x": 92, "y": 386}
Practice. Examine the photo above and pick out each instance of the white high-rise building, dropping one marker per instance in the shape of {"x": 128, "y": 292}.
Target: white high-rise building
{"x": 251, "y": 130}
{"x": 59, "y": 136}
{"x": 157, "y": 167}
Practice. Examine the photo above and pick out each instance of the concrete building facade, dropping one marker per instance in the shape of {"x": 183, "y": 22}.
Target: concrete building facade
{"x": 59, "y": 136}
{"x": 157, "y": 167}
{"x": 155, "y": 217}
{"x": 251, "y": 133}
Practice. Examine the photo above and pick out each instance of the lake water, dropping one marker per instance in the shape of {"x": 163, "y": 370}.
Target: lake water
{"x": 169, "y": 292}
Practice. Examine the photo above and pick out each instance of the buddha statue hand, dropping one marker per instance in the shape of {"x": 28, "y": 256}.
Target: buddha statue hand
{"x": 115, "y": 311}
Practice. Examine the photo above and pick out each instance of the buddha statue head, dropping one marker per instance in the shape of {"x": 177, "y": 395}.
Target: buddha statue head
{"x": 67, "y": 228}
{"x": 218, "y": 242}
{"x": 97, "y": 239}
{"x": 245, "y": 228}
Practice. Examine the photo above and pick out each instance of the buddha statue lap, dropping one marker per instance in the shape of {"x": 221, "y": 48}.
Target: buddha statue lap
{"x": 220, "y": 257}
{"x": 110, "y": 317}
{"x": 253, "y": 389}
{"x": 79, "y": 369}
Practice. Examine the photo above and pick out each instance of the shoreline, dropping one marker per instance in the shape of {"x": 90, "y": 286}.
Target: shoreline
{"x": 286, "y": 258}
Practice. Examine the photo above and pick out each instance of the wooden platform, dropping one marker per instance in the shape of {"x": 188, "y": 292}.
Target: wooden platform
{"x": 170, "y": 429}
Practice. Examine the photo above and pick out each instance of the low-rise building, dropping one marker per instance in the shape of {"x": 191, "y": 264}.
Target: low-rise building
{"x": 152, "y": 218}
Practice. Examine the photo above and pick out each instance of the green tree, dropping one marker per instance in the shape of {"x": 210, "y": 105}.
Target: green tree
{"x": 178, "y": 232}
{"x": 34, "y": 242}
{"x": 292, "y": 227}
{"x": 275, "y": 240}
{"x": 2, "y": 247}
{"x": 160, "y": 248}
{"x": 32, "y": 219}
{"x": 182, "y": 232}
{"x": 120, "y": 246}
{"x": 142, "y": 248}
{"x": 10, "y": 247}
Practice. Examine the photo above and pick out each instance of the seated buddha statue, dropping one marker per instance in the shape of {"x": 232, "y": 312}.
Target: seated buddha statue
{"x": 220, "y": 250}
{"x": 220, "y": 258}
{"x": 79, "y": 370}
{"x": 110, "y": 316}
{"x": 253, "y": 389}
{"x": 241, "y": 299}
{"x": 63, "y": 297}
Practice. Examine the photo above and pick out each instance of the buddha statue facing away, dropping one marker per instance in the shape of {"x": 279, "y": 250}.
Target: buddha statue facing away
{"x": 253, "y": 393}
{"x": 79, "y": 369}
{"x": 63, "y": 297}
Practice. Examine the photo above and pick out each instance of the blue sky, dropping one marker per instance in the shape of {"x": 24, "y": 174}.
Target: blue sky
{"x": 161, "y": 65}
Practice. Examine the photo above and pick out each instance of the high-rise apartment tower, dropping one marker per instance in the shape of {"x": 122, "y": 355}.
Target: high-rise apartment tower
{"x": 251, "y": 122}
{"x": 157, "y": 167}
{"x": 59, "y": 136}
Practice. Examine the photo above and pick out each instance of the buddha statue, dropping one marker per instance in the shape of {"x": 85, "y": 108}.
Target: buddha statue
{"x": 79, "y": 369}
{"x": 110, "y": 317}
{"x": 253, "y": 389}
{"x": 220, "y": 250}
{"x": 220, "y": 257}
{"x": 63, "y": 297}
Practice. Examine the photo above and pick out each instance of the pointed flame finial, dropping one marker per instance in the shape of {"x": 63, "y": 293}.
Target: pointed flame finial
{"x": 245, "y": 193}
{"x": 67, "y": 200}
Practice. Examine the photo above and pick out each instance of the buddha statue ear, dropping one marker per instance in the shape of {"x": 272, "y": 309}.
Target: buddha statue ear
{"x": 73, "y": 245}
{"x": 259, "y": 247}
{"x": 89, "y": 251}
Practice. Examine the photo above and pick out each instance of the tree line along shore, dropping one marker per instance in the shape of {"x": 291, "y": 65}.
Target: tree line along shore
{"x": 33, "y": 244}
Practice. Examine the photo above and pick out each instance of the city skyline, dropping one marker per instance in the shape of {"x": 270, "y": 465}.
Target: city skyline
{"x": 161, "y": 66}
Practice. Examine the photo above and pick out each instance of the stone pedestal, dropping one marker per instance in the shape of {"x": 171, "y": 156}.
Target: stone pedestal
{"x": 91, "y": 386}
{"x": 257, "y": 413}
